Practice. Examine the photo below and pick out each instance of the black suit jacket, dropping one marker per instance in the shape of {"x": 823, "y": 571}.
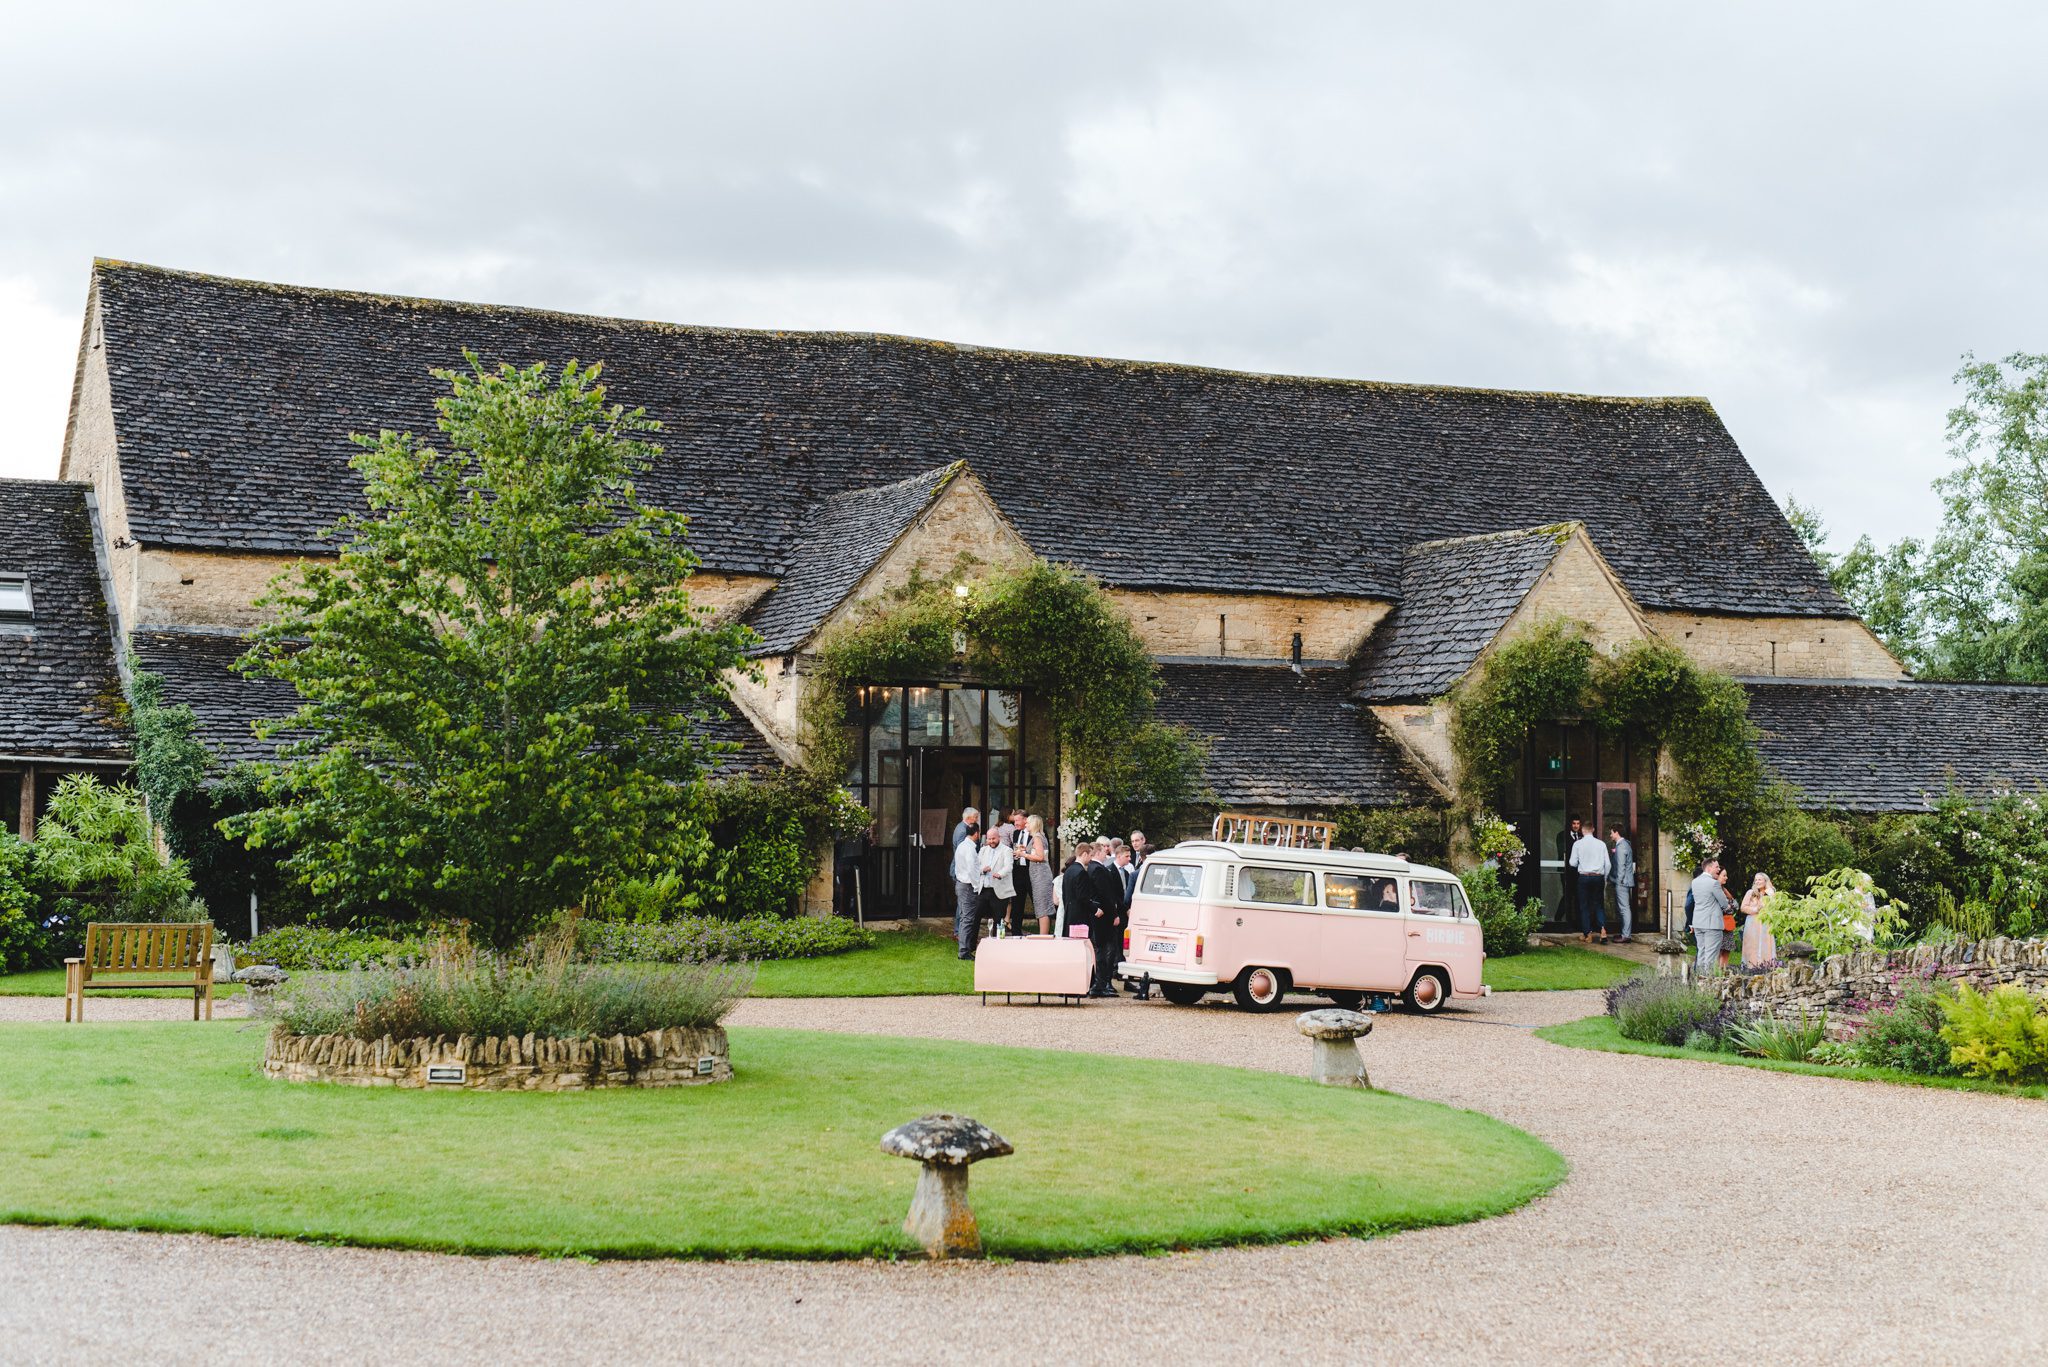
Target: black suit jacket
{"x": 1077, "y": 895}
{"x": 1109, "y": 893}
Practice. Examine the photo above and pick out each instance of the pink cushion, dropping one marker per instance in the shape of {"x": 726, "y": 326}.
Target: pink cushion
{"x": 1077, "y": 932}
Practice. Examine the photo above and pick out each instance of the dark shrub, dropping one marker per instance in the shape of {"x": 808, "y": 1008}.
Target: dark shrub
{"x": 700, "y": 939}
{"x": 1908, "y": 1036}
{"x": 1663, "y": 1010}
{"x": 1505, "y": 926}
{"x": 304, "y": 947}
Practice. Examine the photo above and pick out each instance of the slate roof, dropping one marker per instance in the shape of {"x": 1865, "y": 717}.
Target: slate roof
{"x": 1897, "y": 747}
{"x": 1281, "y": 738}
{"x": 197, "y": 669}
{"x": 233, "y": 402}
{"x": 60, "y": 693}
{"x": 842, "y": 538}
{"x": 1456, "y": 595}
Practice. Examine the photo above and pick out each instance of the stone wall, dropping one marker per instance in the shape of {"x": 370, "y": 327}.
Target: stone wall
{"x": 1249, "y": 625}
{"x": 1781, "y": 647}
{"x": 659, "y": 1058}
{"x": 1850, "y": 986}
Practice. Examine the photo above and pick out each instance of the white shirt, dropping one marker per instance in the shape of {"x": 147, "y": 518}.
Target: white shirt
{"x": 967, "y": 865}
{"x": 1589, "y": 856}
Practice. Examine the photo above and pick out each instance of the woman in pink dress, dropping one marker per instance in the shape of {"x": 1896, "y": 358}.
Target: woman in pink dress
{"x": 1757, "y": 945}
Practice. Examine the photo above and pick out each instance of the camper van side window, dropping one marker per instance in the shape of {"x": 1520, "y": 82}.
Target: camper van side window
{"x": 1360, "y": 892}
{"x": 1435, "y": 899}
{"x": 1171, "y": 880}
{"x": 1278, "y": 887}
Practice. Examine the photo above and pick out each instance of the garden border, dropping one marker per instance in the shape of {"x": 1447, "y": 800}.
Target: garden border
{"x": 680, "y": 1056}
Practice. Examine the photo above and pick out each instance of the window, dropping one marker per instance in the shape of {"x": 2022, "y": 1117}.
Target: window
{"x": 15, "y": 602}
{"x": 1438, "y": 899}
{"x": 1360, "y": 892}
{"x": 1277, "y": 887}
{"x": 1171, "y": 880}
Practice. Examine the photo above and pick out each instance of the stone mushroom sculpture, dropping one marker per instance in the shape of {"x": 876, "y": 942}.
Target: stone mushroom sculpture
{"x": 940, "y": 1218}
{"x": 1336, "y": 1034}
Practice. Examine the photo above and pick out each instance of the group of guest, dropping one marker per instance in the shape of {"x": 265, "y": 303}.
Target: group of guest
{"x": 996, "y": 868}
{"x": 1710, "y": 910}
{"x": 1589, "y": 866}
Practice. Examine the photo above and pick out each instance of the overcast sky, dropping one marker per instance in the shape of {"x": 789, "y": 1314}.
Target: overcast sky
{"x": 1805, "y": 212}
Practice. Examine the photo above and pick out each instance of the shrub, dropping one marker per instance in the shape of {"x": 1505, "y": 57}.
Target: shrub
{"x": 319, "y": 947}
{"x": 701, "y": 939}
{"x": 1841, "y": 913}
{"x": 1777, "y": 1039}
{"x": 1907, "y": 1036}
{"x": 459, "y": 991}
{"x": 1703, "y": 1042}
{"x": 1661, "y": 1010}
{"x": 22, "y": 942}
{"x": 1504, "y": 926}
{"x": 95, "y": 854}
{"x": 1835, "y": 1054}
{"x": 2002, "y": 1036}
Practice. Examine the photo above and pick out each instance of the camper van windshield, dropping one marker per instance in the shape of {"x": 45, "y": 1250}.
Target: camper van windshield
{"x": 1171, "y": 880}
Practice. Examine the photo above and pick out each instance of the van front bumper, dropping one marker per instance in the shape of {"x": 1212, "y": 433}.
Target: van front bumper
{"x": 1161, "y": 973}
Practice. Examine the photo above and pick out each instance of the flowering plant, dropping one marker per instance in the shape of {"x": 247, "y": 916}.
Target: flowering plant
{"x": 1695, "y": 843}
{"x": 1497, "y": 841}
{"x": 1840, "y": 914}
{"x": 1084, "y": 820}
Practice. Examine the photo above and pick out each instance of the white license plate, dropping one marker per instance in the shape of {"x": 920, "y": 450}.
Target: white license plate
{"x": 1162, "y": 946}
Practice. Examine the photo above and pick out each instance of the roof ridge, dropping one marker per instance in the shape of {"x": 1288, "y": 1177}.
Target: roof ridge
{"x": 103, "y": 263}
{"x": 1559, "y": 531}
{"x": 1979, "y": 685}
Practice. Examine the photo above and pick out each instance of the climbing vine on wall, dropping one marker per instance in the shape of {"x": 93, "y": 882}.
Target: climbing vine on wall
{"x": 1045, "y": 629}
{"x": 1650, "y": 689}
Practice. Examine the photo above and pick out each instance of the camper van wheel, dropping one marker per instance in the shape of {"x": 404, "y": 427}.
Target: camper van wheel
{"x": 1346, "y": 1001}
{"x": 1260, "y": 989}
{"x": 1428, "y": 992}
{"x": 1182, "y": 994}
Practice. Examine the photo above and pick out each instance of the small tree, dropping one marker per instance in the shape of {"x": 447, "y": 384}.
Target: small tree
{"x": 95, "y": 853}
{"x": 504, "y": 678}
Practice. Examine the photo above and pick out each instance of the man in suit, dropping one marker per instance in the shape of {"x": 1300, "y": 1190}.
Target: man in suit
{"x": 1077, "y": 892}
{"x": 1106, "y": 927}
{"x": 1128, "y": 871}
{"x": 1709, "y": 904}
{"x": 1568, "y": 877}
{"x": 1624, "y": 881}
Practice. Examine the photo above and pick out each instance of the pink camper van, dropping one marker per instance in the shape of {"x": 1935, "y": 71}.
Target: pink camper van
{"x": 1257, "y": 921}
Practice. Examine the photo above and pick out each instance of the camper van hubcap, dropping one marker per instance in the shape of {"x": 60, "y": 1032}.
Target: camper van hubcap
{"x": 1260, "y": 989}
{"x": 1426, "y": 993}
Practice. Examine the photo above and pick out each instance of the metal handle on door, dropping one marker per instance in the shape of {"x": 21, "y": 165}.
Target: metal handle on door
{"x": 1414, "y": 934}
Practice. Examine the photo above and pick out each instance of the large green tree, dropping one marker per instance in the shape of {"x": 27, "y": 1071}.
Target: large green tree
{"x": 1972, "y": 602}
{"x": 504, "y": 677}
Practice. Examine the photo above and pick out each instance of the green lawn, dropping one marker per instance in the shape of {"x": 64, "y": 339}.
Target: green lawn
{"x": 172, "y": 1127}
{"x": 904, "y": 963}
{"x": 49, "y": 982}
{"x": 1555, "y": 968}
{"x": 1601, "y": 1032}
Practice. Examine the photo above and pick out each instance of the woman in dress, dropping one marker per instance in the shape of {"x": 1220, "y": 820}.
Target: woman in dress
{"x": 1727, "y": 917}
{"x": 1037, "y": 859}
{"x": 1758, "y": 948}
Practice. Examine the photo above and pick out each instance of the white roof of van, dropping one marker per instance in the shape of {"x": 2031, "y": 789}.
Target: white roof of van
{"x": 1322, "y": 859}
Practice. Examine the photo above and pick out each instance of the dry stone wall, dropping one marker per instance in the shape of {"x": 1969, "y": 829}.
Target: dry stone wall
{"x": 676, "y": 1057}
{"x": 1850, "y": 986}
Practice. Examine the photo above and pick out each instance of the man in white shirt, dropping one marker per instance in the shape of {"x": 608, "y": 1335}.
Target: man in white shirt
{"x": 1590, "y": 862}
{"x": 968, "y": 881}
{"x": 998, "y": 885}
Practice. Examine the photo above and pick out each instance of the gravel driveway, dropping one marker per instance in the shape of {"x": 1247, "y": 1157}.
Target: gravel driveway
{"x": 1713, "y": 1214}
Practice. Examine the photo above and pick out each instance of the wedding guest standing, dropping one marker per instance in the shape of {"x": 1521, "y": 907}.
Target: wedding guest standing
{"x": 1589, "y": 862}
{"x": 967, "y": 886}
{"x": 1759, "y": 947}
{"x": 1624, "y": 877}
{"x": 1709, "y": 902}
{"x": 1077, "y": 892}
{"x": 1037, "y": 856}
{"x": 1106, "y": 928}
{"x": 998, "y": 898}
{"x": 1141, "y": 848}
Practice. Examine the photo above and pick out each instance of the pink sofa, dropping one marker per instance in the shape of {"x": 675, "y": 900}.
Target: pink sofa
{"x": 1044, "y": 965}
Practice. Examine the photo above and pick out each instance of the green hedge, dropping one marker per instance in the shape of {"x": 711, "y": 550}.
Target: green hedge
{"x": 695, "y": 939}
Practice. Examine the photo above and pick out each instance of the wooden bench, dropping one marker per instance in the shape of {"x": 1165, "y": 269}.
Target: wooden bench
{"x": 123, "y": 958}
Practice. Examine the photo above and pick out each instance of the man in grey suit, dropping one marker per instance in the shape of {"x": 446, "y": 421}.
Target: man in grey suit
{"x": 1624, "y": 881}
{"x": 1709, "y": 904}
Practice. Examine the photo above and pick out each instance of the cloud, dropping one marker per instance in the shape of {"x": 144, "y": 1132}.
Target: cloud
{"x": 1805, "y": 213}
